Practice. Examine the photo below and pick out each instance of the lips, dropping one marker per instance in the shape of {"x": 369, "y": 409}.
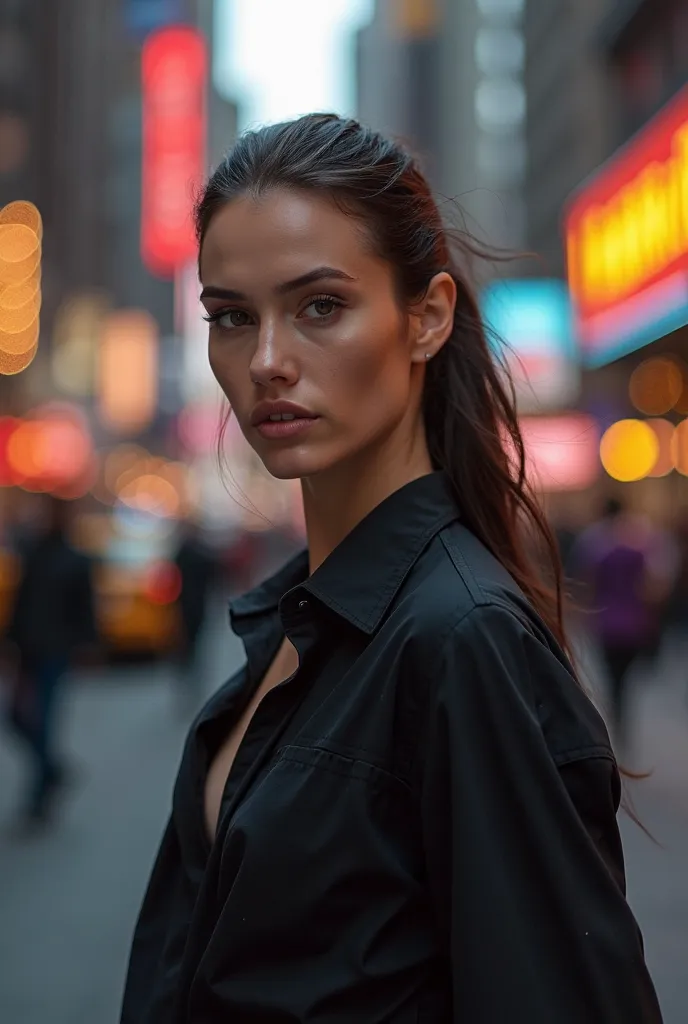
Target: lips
{"x": 279, "y": 412}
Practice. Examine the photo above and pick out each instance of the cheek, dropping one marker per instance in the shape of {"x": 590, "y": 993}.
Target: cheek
{"x": 230, "y": 373}
{"x": 372, "y": 362}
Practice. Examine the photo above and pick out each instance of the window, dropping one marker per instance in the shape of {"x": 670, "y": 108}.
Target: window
{"x": 500, "y": 104}
{"x": 499, "y": 51}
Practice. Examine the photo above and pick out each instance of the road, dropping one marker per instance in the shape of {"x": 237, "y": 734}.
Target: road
{"x": 68, "y": 899}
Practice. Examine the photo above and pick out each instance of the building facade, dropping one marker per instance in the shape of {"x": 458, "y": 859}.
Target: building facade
{"x": 645, "y": 46}
{"x": 569, "y": 122}
{"x": 432, "y": 73}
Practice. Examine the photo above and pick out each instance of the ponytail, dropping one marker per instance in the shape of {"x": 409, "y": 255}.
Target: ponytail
{"x": 474, "y": 436}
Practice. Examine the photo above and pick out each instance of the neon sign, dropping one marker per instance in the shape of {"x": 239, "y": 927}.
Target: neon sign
{"x": 174, "y": 76}
{"x": 627, "y": 241}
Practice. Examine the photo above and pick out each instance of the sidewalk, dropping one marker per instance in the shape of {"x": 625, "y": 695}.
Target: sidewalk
{"x": 657, "y": 875}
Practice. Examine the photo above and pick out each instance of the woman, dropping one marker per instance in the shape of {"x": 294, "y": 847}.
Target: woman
{"x": 403, "y": 808}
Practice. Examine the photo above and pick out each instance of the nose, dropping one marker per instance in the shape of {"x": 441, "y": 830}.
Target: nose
{"x": 272, "y": 359}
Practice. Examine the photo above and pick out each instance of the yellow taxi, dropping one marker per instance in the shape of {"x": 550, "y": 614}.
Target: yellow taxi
{"x": 136, "y": 588}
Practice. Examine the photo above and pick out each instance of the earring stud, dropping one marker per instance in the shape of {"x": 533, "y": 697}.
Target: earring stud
{"x": 428, "y": 355}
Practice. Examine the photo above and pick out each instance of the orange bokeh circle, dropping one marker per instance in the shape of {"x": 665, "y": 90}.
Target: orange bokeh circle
{"x": 15, "y": 296}
{"x": 23, "y": 212}
{"x": 17, "y": 242}
{"x": 19, "y": 342}
{"x": 16, "y": 321}
{"x": 21, "y": 270}
{"x": 11, "y": 364}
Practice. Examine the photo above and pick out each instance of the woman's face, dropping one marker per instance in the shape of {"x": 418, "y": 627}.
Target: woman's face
{"x": 307, "y": 339}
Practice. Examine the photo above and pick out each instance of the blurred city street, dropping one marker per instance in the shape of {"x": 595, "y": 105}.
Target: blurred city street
{"x": 534, "y": 150}
{"x": 69, "y": 897}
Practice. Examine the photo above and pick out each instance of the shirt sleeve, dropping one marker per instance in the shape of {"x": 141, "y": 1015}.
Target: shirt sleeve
{"x": 522, "y": 847}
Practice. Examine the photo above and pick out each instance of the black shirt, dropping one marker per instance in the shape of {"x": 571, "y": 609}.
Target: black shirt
{"x": 419, "y": 826}
{"x": 53, "y": 611}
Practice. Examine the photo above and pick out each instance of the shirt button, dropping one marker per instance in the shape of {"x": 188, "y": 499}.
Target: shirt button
{"x": 303, "y": 605}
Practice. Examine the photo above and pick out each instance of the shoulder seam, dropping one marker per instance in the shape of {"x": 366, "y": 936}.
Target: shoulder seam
{"x": 461, "y": 565}
{"x": 457, "y": 622}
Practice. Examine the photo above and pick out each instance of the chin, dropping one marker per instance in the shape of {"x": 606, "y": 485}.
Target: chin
{"x": 295, "y": 463}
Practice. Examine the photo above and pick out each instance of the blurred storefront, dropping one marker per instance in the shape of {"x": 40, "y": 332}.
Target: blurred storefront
{"x": 530, "y": 326}
{"x": 627, "y": 255}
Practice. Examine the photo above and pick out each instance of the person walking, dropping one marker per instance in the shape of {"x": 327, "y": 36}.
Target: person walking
{"x": 197, "y": 570}
{"x": 626, "y": 568}
{"x": 51, "y": 621}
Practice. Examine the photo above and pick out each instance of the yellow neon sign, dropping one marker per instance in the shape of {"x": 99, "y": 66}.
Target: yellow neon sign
{"x": 618, "y": 245}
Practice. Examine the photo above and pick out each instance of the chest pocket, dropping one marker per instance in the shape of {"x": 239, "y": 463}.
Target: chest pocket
{"x": 322, "y": 872}
{"x": 325, "y": 760}
{"x": 307, "y": 779}
{"x": 315, "y": 819}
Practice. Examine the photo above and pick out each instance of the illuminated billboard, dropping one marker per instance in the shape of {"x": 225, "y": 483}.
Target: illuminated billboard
{"x": 532, "y": 319}
{"x": 174, "y": 83}
{"x": 627, "y": 241}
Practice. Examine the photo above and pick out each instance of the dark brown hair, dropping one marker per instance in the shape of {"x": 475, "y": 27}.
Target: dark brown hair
{"x": 470, "y": 417}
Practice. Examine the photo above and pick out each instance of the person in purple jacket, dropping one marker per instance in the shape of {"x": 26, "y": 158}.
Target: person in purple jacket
{"x": 625, "y": 565}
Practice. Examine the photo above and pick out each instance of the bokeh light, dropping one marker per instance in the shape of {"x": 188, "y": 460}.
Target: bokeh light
{"x": 681, "y": 404}
{"x": 11, "y": 363}
{"x": 163, "y": 584}
{"x": 151, "y": 493}
{"x": 679, "y": 448}
{"x": 8, "y": 425}
{"x": 18, "y": 343}
{"x": 48, "y": 451}
{"x": 76, "y": 335}
{"x": 141, "y": 482}
{"x": 629, "y": 450}
{"x": 656, "y": 386}
{"x": 118, "y": 461}
{"x": 23, "y": 212}
{"x": 21, "y": 232}
{"x": 128, "y": 371}
{"x": 664, "y": 432}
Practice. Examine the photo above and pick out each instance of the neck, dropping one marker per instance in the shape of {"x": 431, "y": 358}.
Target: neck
{"x": 337, "y": 500}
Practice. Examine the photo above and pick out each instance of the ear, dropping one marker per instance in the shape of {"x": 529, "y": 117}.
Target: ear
{"x": 433, "y": 317}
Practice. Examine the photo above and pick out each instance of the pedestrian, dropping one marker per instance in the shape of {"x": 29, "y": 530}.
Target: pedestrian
{"x": 196, "y": 567}
{"x": 626, "y": 566}
{"x": 403, "y": 808}
{"x": 52, "y": 621}
{"x": 676, "y": 619}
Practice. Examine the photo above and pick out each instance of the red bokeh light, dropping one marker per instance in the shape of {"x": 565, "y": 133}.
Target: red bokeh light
{"x": 174, "y": 75}
{"x": 8, "y": 425}
{"x": 164, "y": 584}
{"x": 52, "y": 453}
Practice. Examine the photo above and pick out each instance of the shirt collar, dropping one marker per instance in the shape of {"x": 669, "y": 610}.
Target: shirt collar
{"x": 361, "y": 577}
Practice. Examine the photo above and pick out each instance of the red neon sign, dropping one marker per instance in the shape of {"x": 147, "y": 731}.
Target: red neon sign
{"x": 174, "y": 76}
{"x": 627, "y": 238}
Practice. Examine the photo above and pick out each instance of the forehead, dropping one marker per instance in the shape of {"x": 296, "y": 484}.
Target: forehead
{"x": 282, "y": 234}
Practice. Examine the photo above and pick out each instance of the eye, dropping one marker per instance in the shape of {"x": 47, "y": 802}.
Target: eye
{"x": 229, "y": 319}
{"x": 321, "y": 308}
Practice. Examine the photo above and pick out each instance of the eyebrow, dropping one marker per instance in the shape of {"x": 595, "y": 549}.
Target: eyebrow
{"x": 319, "y": 274}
